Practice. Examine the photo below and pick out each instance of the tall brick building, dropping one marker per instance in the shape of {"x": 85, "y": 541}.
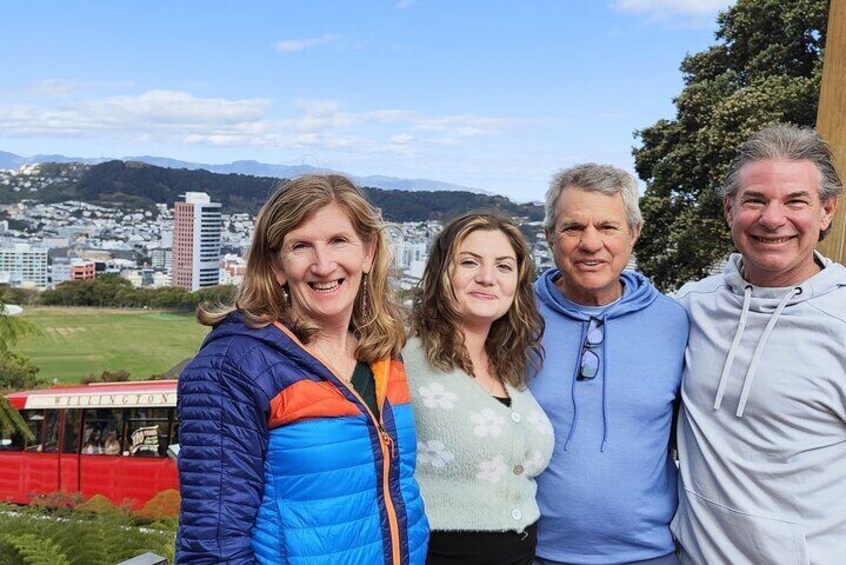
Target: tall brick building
{"x": 196, "y": 242}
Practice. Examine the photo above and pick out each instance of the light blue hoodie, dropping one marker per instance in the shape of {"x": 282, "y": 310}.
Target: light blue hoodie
{"x": 609, "y": 492}
{"x": 762, "y": 435}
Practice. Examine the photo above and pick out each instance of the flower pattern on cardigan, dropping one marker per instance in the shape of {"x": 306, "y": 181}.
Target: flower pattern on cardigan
{"x": 540, "y": 422}
{"x": 477, "y": 457}
{"x": 434, "y": 453}
{"x": 487, "y": 423}
{"x": 491, "y": 470}
{"x": 437, "y": 396}
{"x": 535, "y": 464}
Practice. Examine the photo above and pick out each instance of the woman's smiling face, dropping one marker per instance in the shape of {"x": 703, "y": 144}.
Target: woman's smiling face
{"x": 322, "y": 262}
{"x": 484, "y": 277}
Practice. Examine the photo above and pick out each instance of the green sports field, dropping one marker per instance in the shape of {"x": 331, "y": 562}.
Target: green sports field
{"x": 74, "y": 342}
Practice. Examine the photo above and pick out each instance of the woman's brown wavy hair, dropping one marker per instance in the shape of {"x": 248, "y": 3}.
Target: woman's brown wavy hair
{"x": 514, "y": 342}
{"x": 262, "y": 300}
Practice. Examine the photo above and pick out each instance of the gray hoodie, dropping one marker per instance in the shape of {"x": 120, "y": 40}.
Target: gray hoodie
{"x": 762, "y": 431}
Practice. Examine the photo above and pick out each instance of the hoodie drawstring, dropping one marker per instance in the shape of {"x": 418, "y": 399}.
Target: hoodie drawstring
{"x": 605, "y": 373}
{"x": 738, "y": 335}
{"x": 756, "y": 357}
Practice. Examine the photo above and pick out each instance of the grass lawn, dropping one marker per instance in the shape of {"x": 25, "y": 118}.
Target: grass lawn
{"x": 74, "y": 342}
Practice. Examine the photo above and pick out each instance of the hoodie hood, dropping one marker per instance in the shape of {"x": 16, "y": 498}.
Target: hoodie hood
{"x": 829, "y": 279}
{"x": 638, "y": 293}
{"x": 771, "y": 301}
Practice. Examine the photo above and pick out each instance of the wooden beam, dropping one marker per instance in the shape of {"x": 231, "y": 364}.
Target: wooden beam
{"x": 831, "y": 119}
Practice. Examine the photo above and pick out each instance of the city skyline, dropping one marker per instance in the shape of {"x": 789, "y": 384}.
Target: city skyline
{"x": 491, "y": 96}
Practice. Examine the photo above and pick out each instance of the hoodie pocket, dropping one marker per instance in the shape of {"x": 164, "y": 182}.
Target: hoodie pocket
{"x": 711, "y": 533}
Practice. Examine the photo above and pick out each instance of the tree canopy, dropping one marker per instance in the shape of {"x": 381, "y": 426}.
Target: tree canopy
{"x": 113, "y": 291}
{"x": 765, "y": 67}
{"x": 16, "y": 372}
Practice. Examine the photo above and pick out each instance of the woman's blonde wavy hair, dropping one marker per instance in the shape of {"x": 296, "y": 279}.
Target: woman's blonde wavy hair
{"x": 262, "y": 300}
{"x": 514, "y": 342}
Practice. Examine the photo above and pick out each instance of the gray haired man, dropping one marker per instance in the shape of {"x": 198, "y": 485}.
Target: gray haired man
{"x": 762, "y": 431}
{"x": 610, "y": 379}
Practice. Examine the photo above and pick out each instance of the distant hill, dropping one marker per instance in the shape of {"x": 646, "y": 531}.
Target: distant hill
{"x": 136, "y": 184}
{"x": 253, "y": 168}
{"x": 12, "y": 161}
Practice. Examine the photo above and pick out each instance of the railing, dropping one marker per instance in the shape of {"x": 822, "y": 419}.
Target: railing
{"x": 145, "y": 559}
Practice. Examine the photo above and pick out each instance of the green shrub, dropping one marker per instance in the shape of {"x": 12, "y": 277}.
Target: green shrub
{"x": 37, "y": 535}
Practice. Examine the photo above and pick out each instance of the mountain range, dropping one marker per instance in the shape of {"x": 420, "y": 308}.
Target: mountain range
{"x": 253, "y": 168}
{"x": 133, "y": 184}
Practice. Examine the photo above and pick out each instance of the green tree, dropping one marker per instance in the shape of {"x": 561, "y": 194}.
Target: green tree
{"x": 765, "y": 67}
{"x": 16, "y": 372}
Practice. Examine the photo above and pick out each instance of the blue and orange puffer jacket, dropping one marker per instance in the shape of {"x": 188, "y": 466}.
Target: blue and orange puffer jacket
{"x": 280, "y": 462}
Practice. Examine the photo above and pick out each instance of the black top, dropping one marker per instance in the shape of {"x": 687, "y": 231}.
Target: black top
{"x": 483, "y": 548}
{"x": 504, "y": 399}
{"x": 364, "y": 384}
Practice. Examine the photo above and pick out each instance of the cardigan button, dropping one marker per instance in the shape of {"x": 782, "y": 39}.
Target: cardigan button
{"x": 515, "y": 416}
{"x": 516, "y": 514}
{"x": 518, "y": 469}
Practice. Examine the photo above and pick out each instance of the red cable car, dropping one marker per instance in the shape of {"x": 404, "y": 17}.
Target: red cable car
{"x": 112, "y": 439}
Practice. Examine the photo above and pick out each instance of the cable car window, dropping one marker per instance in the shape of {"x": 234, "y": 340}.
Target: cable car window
{"x": 148, "y": 432}
{"x": 103, "y": 432}
{"x": 70, "y": 436}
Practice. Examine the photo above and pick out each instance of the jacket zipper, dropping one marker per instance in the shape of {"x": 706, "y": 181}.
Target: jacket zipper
{"x": 387, "y": 446}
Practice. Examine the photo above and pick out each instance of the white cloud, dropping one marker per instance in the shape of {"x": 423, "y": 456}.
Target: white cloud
{"x": 179, "y": 108}
{"x": 667, "y": 8}
{"x": 323, "y": 114}
{"x": 297, "y": 45}
{"x": 402, "y": 139}
{"x": 393, "y": 137}
{"x": 161, "y": 112}
{"x": 52, "y": 88}
{"x": 169, "y": 116}
{"x": 403, "y": 4}
{"x": 442, "y": 142}
{"x": 467, "y": 125}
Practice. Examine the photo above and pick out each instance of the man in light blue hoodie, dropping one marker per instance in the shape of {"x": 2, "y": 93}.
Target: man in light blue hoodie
{"x": 762, "y": 432}
{"x": 614, "y": 352}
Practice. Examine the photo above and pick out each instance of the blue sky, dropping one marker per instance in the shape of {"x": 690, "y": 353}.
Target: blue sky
{"x": 490, "y": 94}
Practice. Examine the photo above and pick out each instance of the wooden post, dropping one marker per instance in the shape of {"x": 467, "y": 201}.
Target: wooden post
{"x": 831, "y": 119}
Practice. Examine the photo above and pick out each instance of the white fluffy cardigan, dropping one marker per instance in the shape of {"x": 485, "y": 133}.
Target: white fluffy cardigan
{"x": 476, "y": 458}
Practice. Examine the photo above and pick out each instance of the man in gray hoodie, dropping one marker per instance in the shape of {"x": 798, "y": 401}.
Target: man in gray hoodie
{"x": 762, "y": 431}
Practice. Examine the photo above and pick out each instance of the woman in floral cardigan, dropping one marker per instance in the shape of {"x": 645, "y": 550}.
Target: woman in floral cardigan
{"x": 482, "y": 438}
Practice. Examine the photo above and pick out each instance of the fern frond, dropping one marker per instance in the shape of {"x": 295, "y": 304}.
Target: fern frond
{"x": 36, "y": 551}
{"x": 79, "y": 537}
{"x": 12, "y": 329}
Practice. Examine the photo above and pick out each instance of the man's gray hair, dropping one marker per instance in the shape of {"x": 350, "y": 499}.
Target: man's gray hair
{"x": 785, "y": 142}
{"x": 591, "y": 177}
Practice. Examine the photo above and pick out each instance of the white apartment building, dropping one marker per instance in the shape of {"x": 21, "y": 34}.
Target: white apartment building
{"x": 24, "y": 265}
{"x": 407, "y": 253}
{"x": 161, "y": 258}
